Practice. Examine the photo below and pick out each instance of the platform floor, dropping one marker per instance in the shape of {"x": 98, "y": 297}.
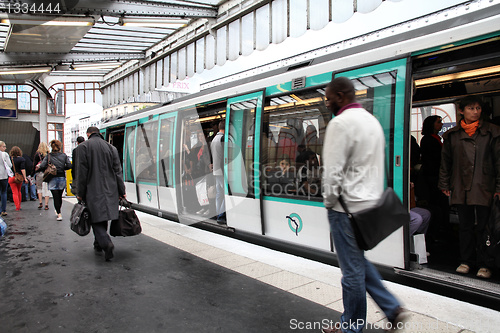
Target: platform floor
{"x": 175, "y": 278}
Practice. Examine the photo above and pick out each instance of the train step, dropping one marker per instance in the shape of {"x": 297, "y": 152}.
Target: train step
{"x": 454, "y": 280}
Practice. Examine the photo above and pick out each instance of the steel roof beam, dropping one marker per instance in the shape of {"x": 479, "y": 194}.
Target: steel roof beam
{"x": 142, "y": 8}
{"x": 53, "y": 58}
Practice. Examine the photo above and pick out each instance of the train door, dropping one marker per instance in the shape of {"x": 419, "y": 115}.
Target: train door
{"x": 195, "y": 184}
{"x": 441, "y": 78}
{"x": 381, "y": 90}
{"x": 166, "y": 165}
{"x": 116, "y": 138}
{"x": 146, "y": 169}
{"x": 241, "y": 161}
{"x": 129, "y": 161}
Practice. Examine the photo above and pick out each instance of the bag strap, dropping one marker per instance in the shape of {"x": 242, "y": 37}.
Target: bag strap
{"x": 13, "y": 165}
{"x": 344, "y": 206}
{"x": 124, "y": 203}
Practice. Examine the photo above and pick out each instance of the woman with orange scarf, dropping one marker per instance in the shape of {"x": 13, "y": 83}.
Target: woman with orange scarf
{"x": 470, "y": 176}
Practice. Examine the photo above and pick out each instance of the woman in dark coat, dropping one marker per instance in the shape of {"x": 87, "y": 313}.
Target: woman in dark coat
{"x": 427, "y": 186}
{"x": 100, "y": 185}
{"x": 470, "y": 176}
{"x": 57, "y": 183}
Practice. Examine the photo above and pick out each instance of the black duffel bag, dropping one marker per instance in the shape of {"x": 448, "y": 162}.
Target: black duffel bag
{"x": 127, "y": 224}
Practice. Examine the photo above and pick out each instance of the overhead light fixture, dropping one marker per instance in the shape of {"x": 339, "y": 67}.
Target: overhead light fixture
{"x": 88, "y": 67}
{"x": 458, "y": 76}
{"x": 25, "y": 70}
{"x": 158, "y": 23}
{"x": 49, "y": 21}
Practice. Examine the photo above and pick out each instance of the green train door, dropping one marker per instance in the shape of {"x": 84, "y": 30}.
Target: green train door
{"x": 129, "y": 161}
{"x": 381, "y": 90}
{"x": 241, "y": 162}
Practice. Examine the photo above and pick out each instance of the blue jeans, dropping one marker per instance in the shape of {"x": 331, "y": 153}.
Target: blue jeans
{"x": 358, "y": 277}
{"x": 220, "y": 207}
{"x": 29, "y": 190}
{"x": 3, "y": 188}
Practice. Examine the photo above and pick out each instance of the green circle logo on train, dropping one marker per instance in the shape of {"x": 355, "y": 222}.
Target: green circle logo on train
{"x": 295, "y": 223}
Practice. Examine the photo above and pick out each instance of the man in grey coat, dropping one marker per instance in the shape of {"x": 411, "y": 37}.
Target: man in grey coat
{"x": 100, "y": 185}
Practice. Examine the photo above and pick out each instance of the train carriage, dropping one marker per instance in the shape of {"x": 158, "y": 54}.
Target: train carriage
{"x": 275, "y": 119}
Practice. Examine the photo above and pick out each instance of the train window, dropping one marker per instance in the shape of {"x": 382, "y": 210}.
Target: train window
{"x": 129, "y": 154}
{"x": 165, "y": 150}
{"x": 446, "y": 111}
{"x": 145, "y": 159}
{"x": 377, "y": 94}
{"x": 292, "y": 138}
{"x": 241, "y": 148}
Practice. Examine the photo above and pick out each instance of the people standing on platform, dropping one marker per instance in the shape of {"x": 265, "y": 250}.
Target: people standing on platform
{"x": 57, "y": 183}
{"x": 74, "y": 162}
{"x": 100, "y": 185}
{"x": 217, "y": 148}
{"x": 353, "y": 156}
{"x": 5, "y": 171}
{"x": 470, "y": 176}
{"x": 29, "y": 187}
{"x": 42, "y": 188}
{"x": 18, "y": 166}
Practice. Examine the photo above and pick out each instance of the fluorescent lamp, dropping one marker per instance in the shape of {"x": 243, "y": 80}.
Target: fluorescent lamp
{"x": 87, "y": 67}
{"x": 60, "y": 21}
{"x": 159, "y": 23}
{"x": 458, "y": 76}
{"x": 26, "y": 70}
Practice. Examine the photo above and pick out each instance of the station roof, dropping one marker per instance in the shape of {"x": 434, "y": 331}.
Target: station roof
{"x": 89, "y": 37}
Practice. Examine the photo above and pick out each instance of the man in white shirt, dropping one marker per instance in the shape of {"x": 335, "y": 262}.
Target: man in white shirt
{"x": 353, "y": 156}
{"x": 217, "y": 148}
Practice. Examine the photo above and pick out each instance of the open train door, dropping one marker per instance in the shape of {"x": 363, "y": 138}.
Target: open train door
{"x": 381, "y": 90}
{"x": 241, "y": 162}
{"x": 129, "y": 161}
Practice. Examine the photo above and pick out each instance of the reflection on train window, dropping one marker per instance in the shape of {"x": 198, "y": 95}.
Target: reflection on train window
{"x": 446, "y": 111}
{"x": 165, "y": 150}
{"x": 145, "y": 159}
{"x": 128, "y": 159}
{"x": 241, "y": 148}
{"x": 377, "y": 94}
{"x": 292, "y": 139}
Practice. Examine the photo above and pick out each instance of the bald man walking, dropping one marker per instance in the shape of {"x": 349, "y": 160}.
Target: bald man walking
{"x": 353, "y": 155}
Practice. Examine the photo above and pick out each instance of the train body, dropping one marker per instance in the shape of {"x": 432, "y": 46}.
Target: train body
{"x": 275, "y": 118}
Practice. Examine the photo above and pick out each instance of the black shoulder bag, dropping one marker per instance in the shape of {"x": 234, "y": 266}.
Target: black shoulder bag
{"x": 373, "y": 225}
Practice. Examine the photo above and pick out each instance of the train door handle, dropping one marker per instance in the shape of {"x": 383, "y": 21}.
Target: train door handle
{"x": 398, "y": 160}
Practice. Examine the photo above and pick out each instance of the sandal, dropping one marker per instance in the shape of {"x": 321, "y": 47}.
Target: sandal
{"x": 40, "y": 206}
{"x": 46, "y": 207}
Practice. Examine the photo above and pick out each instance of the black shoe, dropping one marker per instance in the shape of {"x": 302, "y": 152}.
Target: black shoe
{"x": 397, "y": 322}
{"x": 108, "y": 253}
{"x": 97, "y": 250}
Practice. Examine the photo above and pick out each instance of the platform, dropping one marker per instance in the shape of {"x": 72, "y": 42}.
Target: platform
{"x": 175, "y": 278}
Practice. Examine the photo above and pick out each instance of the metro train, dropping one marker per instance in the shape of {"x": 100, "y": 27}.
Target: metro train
{"x": 275, "y": 119}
